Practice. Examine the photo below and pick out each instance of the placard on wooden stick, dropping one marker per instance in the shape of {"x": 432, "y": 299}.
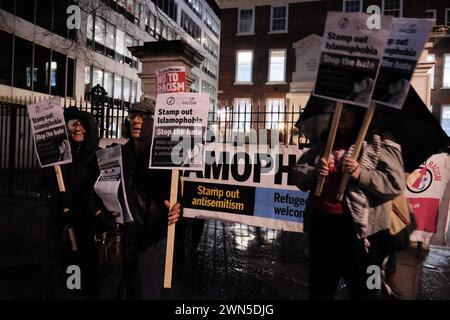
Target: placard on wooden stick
{"x": 349, "y": 65}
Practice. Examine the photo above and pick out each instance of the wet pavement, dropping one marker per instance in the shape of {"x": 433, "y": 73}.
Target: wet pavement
{"x": 234, "y": 262}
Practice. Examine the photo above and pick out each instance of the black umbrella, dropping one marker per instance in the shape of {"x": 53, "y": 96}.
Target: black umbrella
{"x": 414, "y": 127}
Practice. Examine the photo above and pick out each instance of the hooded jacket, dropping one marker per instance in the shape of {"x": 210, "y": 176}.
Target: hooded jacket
{"x": 79, "y": 178}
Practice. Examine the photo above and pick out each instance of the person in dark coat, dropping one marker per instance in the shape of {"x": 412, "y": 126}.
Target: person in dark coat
{"x": 79, "y": 197}
{"x": 147, "y": 192}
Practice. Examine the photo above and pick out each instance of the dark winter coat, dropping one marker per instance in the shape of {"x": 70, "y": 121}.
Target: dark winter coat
{"x": 146, "y": 190}
{"x": 79, "y": 178}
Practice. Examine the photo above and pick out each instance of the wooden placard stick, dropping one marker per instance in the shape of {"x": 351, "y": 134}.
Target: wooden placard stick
{"x": 171, "y": 232}
{"x": 62, "y": 188}
{"x": 358, "y": 145}
{"x": 330, "y": 143}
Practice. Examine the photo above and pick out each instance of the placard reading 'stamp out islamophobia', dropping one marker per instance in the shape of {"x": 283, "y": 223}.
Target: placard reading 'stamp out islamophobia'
{"x": 350, "y": 57}
{"x": 49, "y": 132}
{"x": 179, "y": 129}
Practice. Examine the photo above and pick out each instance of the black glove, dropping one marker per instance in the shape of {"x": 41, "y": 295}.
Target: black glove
{"x": 105, "y": 221}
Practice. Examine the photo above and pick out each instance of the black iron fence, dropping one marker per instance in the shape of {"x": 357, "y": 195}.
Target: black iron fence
{"x": 19, "y": 169}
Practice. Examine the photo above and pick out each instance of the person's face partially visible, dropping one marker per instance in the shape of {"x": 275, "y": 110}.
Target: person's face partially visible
{"x": 76, "y": 130}
{"x": 347, "y": 121}
{"x": 141, "y": 125}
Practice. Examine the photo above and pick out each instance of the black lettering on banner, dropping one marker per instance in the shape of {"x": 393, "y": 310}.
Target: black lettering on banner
{"x": 235, "y": 167}
{"x": 219, "y": 197}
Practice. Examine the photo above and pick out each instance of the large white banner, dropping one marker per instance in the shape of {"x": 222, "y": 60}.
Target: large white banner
{"x": 49, "y": 132}
{"x": 428, "y": 193}
{"x": 246, "y": 185}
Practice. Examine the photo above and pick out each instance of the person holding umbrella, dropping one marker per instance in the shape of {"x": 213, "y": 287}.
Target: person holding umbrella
{"x": 345, "y": 237}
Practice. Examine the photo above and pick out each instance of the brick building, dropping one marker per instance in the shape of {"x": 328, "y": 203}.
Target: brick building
{"x": 270, "y": 49}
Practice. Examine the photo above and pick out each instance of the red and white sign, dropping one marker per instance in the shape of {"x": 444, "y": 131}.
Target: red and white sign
{"x": 171, "y": 79}
{"x": 426, "y": 192}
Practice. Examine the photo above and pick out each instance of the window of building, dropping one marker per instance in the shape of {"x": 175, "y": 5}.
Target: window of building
{"x": 244, "y": 62}
{"x": 190, "y": 27}
{"x": 108, "y": 83}
{"x": 97, "y": 77}
{"x": 274, "y": 114}
{"x": 110, "y": 40}
{"x": 169, "y": 7}
{"x": 90, "y": 30}
{"x": 393, "y": 8}
{"x": 445, "y": 119}
{"x": 208, "y": 88}
{"x": 279, "y": 17}
{"x": 99, "y": 34}
{"x": 430, "y": 14}
{"x": 87, "y": 79}
{"x": 117, "y": 87}
{"x": 211, "y": 46}
{"x": 25, "y": 9}
{"x": 44, "y": 10}
{"x": 352, "y": 6}
{"x": 126, "y": 90}
{"x": 242, "y": 114}
{"x": 41, "y": 71}
{"x": 447, "y": 17}
{"x": 431, "y": 58}
{"x": 246, "y": 20}
{"x": 196, "y": 6}
{"x": 211, "y": 23}
{"x": 23, "y": 57}
{"x": 277, "y": 65}
{"x": 446, "y": 77}
{"x": 5, "y": 57}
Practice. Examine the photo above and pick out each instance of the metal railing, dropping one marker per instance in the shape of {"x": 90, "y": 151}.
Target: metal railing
{"x": 19, "y": 169}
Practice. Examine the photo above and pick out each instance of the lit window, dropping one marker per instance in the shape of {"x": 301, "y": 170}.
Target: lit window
{"x": 275, "y": 114}
{"x": 445, "y": 119}
{"x": 277, "y": 65}
{"x": 126, "y": 90}
{"x": 90, "y": 26}
{"x": 100, "y": 30}
{"x": 279, "y": 19}
{"x": 242, "y": 114}
{"x": 246, "y": 20}
{"x": 117, "y": 87}
{"x": 244, "y": 60}
{"x": 110, "y": 35}
{"x": 54, "y": 69}
{"x": 352, "y": 6}
{"x": 446, "y": 78}
{"x": 108, "y": 83}
{"x": 392, "y": 8}
{"x": 120, "y": 42}
{"x": 97, "y": 77}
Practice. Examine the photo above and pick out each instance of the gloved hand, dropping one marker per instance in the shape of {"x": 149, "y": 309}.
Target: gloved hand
{"x": 104, "y": 221}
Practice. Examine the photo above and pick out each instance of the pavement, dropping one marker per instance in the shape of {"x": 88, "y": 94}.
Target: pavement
{"x": 234, "y": 261}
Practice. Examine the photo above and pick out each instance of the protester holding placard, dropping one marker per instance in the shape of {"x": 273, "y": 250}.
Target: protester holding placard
{"x": 147, "y": 193}
{"x": 348, "y": 236}
{"x": 80, "y": 200}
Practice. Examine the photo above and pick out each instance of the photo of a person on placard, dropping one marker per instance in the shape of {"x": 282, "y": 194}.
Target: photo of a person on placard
{"x": 396, "y": 92}
{"x": 361, "y": 91}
